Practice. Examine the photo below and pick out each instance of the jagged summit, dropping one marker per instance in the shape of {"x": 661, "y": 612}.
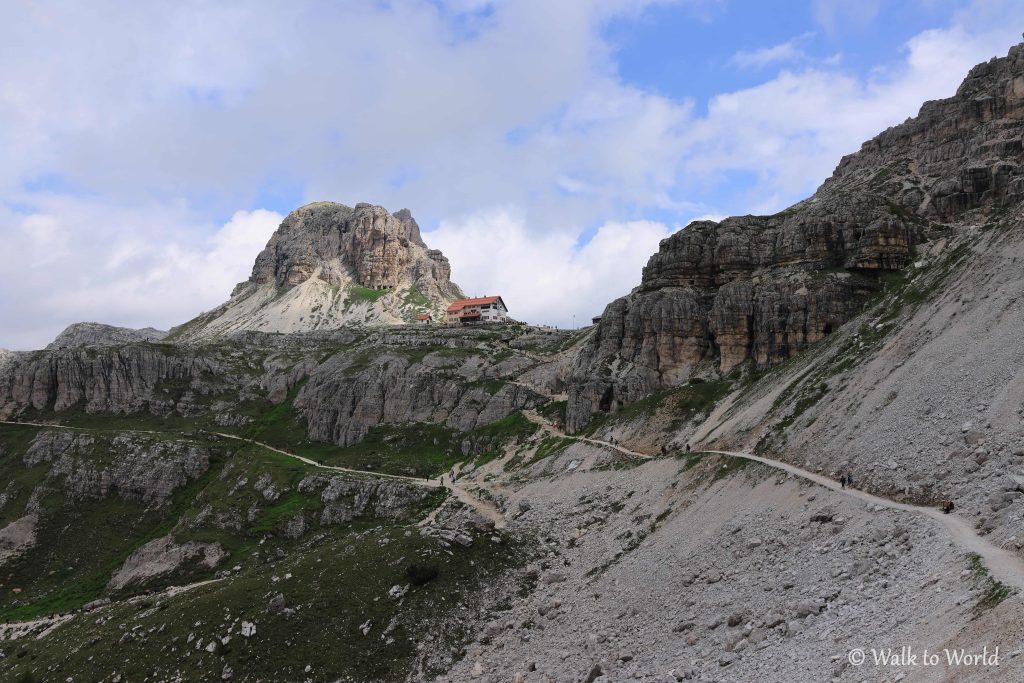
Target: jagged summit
{"x": 328, "y": 265}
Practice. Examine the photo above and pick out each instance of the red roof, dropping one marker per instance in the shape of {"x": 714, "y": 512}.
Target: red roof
{"x": 462, "y": 303}
{"x": 423, "y": 317}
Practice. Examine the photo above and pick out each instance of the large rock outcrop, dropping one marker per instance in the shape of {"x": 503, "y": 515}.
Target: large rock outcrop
{"x": 350, "y": 393}
{"x": 98, "y": 334}
{"x": 141, "y": 469}
{"x": 107, "y": 379}
{"x": 329, "y": 265}
{"x": 761, "y": 288}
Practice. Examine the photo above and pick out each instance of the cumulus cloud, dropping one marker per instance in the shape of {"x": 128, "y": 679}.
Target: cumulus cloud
{"x": 546, "y": 277}
{"x": 128, "y": 266}
{"x": 131, "y": 130}
{"x": 791, "y": 130}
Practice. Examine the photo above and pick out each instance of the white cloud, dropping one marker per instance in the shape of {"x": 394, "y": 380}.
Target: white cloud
{"x": 782, "y": 53}
{"x": 544, "y": 277}
{"x": 94, "y": 262}
{"x": 125, "y": 127}
{"x": 792, "y": 129}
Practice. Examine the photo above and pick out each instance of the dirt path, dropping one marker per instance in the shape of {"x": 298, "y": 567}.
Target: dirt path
{"x": 77, "y": 429}
{"x": 537, "y": 419}
{"x": 41, "y": 627}
{"x": 426, "y": 483}
{"x": 487, "y": 509}
{"x": 1002, "y": 564}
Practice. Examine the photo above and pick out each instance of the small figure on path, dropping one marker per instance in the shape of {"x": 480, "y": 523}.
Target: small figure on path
{"x": 842, "y": 480}
{"x": 687, "y": 448}
{"x": 947, "y": 506}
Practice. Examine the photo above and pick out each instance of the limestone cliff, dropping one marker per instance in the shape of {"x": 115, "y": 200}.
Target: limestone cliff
{"x": 329, "y": 265}
{"x": 762, "y": 288}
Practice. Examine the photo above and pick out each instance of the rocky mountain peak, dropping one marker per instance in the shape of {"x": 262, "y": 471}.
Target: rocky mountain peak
{"x": 329, "y": 264}
{"x": 337, "y": 243}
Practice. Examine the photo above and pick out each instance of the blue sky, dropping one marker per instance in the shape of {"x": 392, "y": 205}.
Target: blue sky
{"x": 151, "y": 149}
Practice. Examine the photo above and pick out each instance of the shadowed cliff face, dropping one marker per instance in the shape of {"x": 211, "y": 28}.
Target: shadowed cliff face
{"x": 762, "y": 288}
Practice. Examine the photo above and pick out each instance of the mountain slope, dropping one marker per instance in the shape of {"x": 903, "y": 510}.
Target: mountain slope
{"x": 226, "y": 496}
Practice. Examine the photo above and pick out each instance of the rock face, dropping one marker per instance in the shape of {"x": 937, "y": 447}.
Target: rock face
{"x": 329, "y": 264}
{"x": 112, "y": 379}
{"x": 163, "y": 556}
{"x": 350, "y": 382}
{"x": 346, "y": 499}
{"x": 97, "y": 334}
{"x": 349, "y": 394}
{"x": 761, "y": 288}
{"x": 136, "y": 468}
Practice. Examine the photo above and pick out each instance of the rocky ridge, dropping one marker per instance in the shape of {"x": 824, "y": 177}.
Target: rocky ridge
{"x": 763, "y": 288}
{"x": 98, "y": 334}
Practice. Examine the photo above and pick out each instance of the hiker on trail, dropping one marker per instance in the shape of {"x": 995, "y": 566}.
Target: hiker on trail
{"x": 947, "y": 506}
{"x": 849, "y": 480}
{"x": 687, "y": 448}
{"x": 842, "y": 480}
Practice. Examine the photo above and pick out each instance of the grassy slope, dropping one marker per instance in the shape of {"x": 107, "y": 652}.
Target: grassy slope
{"x": 337, "y": 583}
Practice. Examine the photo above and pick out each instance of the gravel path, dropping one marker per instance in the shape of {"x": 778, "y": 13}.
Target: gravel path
{"x": 537, "y": 419}
{"x": 1002, "y": 564}
{"x": 426, "y": 483}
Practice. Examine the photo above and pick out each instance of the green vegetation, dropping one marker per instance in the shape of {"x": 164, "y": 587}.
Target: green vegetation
{"x": 554, "y": 411}
{"x": 549, "y": 445}
{"x": 359, "y": 294}
{"x": 415, "y": 449}
{"x": 414, "y": 298}
{"x": 490, "y": 385}
{"x": 337, "y": 584}
{"x": 680, "y": 405}
{"x": 511, "y": 428}
{"x": 995, "y": 591}
{"x": 81, "y": 542}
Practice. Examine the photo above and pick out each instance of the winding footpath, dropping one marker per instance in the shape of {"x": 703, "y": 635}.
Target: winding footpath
{"x": 1002, "y": 564}
{"x": 537, "y": 419}
{"x": 426, "y": 483}
{"x": 485, "y": 508}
